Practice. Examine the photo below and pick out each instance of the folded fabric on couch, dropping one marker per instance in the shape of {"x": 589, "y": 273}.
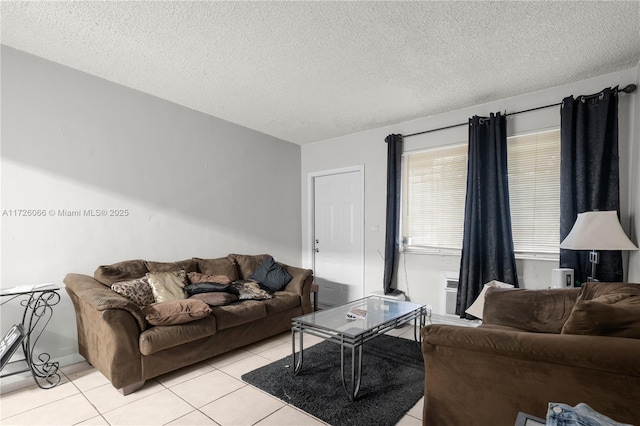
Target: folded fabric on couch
{"x": 210, "y": 287}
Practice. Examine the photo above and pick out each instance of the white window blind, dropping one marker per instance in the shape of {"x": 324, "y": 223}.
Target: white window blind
{"x": 534, "y": 191}
{"x": 434, "y": 188}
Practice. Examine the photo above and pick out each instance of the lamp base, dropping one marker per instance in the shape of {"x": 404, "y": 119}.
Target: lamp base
{"x": 594, "y": 258}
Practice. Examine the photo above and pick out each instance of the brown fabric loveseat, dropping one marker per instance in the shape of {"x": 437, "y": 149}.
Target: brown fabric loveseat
{"x": 535, "y": 347}
{"x": 116, "y": 338}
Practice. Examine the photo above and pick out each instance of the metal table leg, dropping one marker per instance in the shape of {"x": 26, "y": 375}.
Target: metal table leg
{"x": 356, "y": 370}
{"x": 297, "y": 364}
{"x": 418, "y": 323}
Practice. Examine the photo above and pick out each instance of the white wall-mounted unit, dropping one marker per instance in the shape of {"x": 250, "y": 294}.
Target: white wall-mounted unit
{"x": 449, "y": 286}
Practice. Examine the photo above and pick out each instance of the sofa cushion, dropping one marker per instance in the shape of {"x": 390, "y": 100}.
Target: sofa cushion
{"x": 247, "y": 263}
{"x": 197, "y": 277}
{"x": 167, "y": 286}
{"x": 271, "y": 275}
{"x": 540, "y": 311}
{"x": 138, "y": 291}
{"x": 176, "y": 311}
{"x": 216, "y": 299}
{"x": 282, "y": 301}
{"x": 477, "y": 308}
{"x": 158, "y": 338}
{"x": 197, "y": 288}
{"x": 606, "y": 309}
{"x": 188, "y": 265}
{"x": 250, "y": 290}
{"x": 220, "y": 266}
{"x": 591, "y": 290}
{"x": 121, "y": 271}
{"x": 239, "y": 313}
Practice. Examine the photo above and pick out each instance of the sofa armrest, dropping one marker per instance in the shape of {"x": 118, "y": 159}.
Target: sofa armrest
{"x": 498, "y": 372}
{"x": 101, "y": 297}
{"x": 108, "y": 328}
{"x": 300, "y": 284}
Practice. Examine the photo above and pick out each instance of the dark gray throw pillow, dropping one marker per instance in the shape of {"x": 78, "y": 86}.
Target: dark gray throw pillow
{"x": 198, "y": 288}
{"x": 271, "y": 275}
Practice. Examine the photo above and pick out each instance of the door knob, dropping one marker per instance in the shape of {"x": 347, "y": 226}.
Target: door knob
{"x": 317, "y": 250}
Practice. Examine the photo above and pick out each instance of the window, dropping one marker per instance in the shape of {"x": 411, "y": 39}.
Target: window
{"x": 534, "y": 192}
{"x": 434, "y": 184}
{"x": 434, "y": 188}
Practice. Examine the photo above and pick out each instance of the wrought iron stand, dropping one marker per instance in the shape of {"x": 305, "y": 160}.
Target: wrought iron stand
{"x": 38, "y": 309}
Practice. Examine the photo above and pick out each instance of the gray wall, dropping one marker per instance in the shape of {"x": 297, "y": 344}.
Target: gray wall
{"x": 193, "y": 185}
{"x": 423, "y": 277}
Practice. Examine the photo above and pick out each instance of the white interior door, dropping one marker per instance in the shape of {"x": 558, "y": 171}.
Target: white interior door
{"x": 338, "y": 237}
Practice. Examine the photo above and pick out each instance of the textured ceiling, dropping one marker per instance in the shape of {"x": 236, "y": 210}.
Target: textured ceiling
{"x": 308, "y": 71}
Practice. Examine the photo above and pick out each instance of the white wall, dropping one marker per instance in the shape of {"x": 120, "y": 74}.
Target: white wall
{"x": 423, "y": 277}
{"x": 193, "y": 185}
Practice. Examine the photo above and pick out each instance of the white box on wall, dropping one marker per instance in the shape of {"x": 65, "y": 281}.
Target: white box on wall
{"x": 562, "y": 278}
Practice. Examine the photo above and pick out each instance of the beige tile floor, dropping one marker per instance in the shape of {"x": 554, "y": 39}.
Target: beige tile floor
{"x": 208, "y": 393}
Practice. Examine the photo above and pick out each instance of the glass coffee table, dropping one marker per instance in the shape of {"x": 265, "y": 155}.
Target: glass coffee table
{"x": 382, "y": 315}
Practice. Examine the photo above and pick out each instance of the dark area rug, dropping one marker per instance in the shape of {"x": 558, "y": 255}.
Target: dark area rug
{"x": 392, "y": 382}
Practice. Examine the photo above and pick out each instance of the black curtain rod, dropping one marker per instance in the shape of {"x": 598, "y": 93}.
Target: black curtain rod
{"x": 630, "y": 88}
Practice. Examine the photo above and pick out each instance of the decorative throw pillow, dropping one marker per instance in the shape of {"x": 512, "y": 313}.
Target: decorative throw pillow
{"x": 250, "y": 290}
{"x": 197, "y": 277}
{"x": 216, "y": 299}
{"x": 198, "y": 288}
{"x": 167, "y": 286}
{"x": 138, "y": 291}
{"x": 176, "y": 312}
{"x": 591, "y": 290}
{"x": 606, "y": 309}
{"x": 271, "y": 275}
{"x": 478, "y": 306}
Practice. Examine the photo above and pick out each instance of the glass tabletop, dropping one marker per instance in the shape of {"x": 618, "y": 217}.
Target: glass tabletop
{"x": 379, "y": 310}
{"x": 26, "y": 289}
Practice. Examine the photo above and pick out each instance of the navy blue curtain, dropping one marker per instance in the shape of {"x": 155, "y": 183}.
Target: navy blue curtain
{"x": 394, "y": 163}
{"x": 589, "y": 174}
{"x": 487, "y": 246}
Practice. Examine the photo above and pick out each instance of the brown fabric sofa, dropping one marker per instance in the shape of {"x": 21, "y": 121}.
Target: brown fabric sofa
{"x": 535, "y": 347}
{"x": 115, "y": 337}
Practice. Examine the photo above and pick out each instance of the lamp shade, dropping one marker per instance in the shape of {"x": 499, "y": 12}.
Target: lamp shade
{"x": 598, "y": 230}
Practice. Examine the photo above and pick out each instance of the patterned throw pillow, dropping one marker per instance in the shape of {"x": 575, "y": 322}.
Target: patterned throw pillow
{"x": 250, "y": 290}
{"x": 167, "y": 286}
{"x": 138, "y": 291}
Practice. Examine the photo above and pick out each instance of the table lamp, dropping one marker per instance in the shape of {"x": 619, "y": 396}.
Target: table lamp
{"x": 597, "y": 230}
